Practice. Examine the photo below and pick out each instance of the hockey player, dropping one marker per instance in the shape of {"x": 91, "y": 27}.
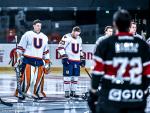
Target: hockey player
{"x": 70, "y": 49}
{"x": 133, "y": 30}
{"x": 32, "y": 57}
{"x": 108, "y": 32}
{"x": 122, "y": 67}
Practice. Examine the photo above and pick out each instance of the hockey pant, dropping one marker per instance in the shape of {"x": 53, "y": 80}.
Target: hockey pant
{"x": 71, "y": 74}
{"x": 103, "y": 107}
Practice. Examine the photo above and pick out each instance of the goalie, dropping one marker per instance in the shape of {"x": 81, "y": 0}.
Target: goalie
{"x": 70, "y": 49}
{"x": 32, "y": 57}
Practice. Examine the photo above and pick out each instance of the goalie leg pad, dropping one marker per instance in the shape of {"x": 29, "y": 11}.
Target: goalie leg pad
{"x": 39, "y": 83}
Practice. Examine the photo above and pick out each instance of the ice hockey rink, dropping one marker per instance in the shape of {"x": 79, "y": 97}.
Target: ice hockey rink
{"x": 53, "y": 103}
{"x": 58, "y": 17}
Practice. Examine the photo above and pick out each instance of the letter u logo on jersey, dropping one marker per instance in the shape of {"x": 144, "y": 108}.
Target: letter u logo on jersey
{"x": 37, "y": 43}
{"x": 75, "y": 48}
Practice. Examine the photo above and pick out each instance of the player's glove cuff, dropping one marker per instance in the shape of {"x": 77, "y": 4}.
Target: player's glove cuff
{"x": 65, "y": 60}
{"x": 47, "y": 66}
{"x": 82, "y": 62}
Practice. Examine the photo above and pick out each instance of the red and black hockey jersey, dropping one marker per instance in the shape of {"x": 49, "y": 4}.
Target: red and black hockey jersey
{"x": 123, "y": 61}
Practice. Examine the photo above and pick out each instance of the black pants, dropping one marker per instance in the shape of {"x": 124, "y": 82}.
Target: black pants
{"x": 105, "y": 107}
{"x": 112, "y": 109}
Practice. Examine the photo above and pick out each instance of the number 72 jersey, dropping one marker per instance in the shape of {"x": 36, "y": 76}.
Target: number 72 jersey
{"x": 122, "y": 59}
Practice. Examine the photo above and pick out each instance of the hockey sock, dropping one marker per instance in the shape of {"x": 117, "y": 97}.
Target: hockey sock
{"x": 67, "y": 83}
{"x": 74, "y": 83}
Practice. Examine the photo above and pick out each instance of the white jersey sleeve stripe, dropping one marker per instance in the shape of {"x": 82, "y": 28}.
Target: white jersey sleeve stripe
{"x": 98, "y": 59}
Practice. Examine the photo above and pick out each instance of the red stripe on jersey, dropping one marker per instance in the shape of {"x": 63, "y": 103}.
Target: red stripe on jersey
{"x": 31, "y": 56}
{"x": 74, "y": 60}
{"x": 59, "y": 48}
{"x": 124, "y": 34}
{"x": 74, "y": 82}
{"x": 99, "y": 66}
{"x": 47, "y": 60}
{"x": 45, "y": 52}
{"x": 111, "y": 71}
{"x": 146, "y": 70}
{"x": 127, "y": 74}
{"x": 66, "y": 82}
{"x": 20, "y": 48}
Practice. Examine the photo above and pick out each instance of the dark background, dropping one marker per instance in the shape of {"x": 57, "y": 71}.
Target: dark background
{"x": 59, "y": 16}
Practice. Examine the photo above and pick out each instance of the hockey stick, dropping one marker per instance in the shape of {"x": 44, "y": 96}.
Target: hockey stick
{"x": 17, "y": 70}
{"x": 6, "y": 103}
{"x": 89, "y": 75}
{"x": 10, "y": 61}
{"x": 87, "y": 72}
{"x": 90, "y": 78}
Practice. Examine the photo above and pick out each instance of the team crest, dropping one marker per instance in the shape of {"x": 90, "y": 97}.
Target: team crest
{"x": 67, "y": 72}
{"x": 75, "y": 66}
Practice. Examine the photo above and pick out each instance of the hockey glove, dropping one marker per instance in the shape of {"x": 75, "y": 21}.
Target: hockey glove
{"x": 16, "y": 58}
{"x": 47, "y": 66}
{"x": 92, "y": 99}
{"x": 65, "y": 60}
{"x": 82, "y": 62}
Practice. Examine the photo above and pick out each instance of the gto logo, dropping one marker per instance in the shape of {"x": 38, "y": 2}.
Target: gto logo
{"x": 125, "y": 95}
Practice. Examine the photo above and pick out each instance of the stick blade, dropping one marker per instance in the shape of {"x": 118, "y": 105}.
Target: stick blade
{"x": 6, "y": 103}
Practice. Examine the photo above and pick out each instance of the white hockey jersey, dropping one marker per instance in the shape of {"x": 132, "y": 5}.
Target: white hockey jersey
{"x": 34, "y": 45}
{"x": 71, "y": 46}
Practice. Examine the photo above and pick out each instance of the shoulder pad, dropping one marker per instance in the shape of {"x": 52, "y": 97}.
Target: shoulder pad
{"x": 65, "y": 36}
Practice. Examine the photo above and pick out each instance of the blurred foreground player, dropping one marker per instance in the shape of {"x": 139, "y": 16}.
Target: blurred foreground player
{"x": 108, "y": 32}
{"x": 70, "y": 49}
{"x": 33, "y": 59}
{"x": 122, "y": 67}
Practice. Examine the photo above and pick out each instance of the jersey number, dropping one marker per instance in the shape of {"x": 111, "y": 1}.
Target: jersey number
{"x": 135, "y": 70}
{"x": 75, "y": 48}
{"x": 37, "y": 43}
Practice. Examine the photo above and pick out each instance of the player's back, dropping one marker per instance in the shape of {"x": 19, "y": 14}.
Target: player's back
{"x": 125, "y": 62}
